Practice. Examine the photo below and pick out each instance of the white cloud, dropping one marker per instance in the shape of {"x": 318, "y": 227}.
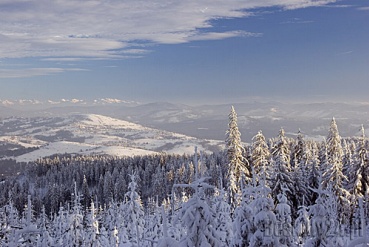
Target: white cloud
{"x": 297, "y": 21}
{"x": 136, "y": 51}
{"x": 297, "y": 4}
{"x": 363, "y": 8}
{"x": 224, "y": 35}
{"x": 345, "y": 53}
{"x": 109, "y": 29}
{"x": 24, "y": 73}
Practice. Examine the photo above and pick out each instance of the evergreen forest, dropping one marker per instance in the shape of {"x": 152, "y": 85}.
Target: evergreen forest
{"x": 281, "y": 191}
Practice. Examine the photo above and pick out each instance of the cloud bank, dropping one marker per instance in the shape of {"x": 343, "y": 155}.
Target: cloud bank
{"x": 111, "y": 29}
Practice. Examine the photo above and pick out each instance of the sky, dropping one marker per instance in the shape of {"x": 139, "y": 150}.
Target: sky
{"x": 190, "y": 51}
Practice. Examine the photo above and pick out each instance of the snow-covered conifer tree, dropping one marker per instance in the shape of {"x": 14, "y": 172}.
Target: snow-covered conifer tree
{"x": 243, "y": 215}
{"x": 75, "y": 232}
{"x": 86, "y": 196}
{"x": 264, "y": 220}
{"x": 313, "y": 172}
{"x": 198, "y": 216}
{"x": 134, "y": 214}
{"x": 237, "y": 164}
{"x": 324, "y": 220}
{"x": 10, "y": 224}
{"x": 45, "y": 239}
{"x": 92, "y": 229}
{"x": 301, "y": 183}
{"x": 223, "y": 221}
{"x": 60, "y": 226}
{"x": 281, "y": 179}
{"x": 260, "y": 152}
{"x": 108, "y": 188}
{"x": 29, "y": 233}
{"x": 348, "y": 148}
{"x": 302, "y": 226}
{"x": 154, "y": 226}
{"x": 166, "y": 241}
{"x": 333, "y": 175}
{"x": 284, "y": 221}
{"x": 359, "y": 171}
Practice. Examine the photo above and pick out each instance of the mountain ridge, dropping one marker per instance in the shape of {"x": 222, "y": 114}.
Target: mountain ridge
{"x": 93, "y": 134}
{"x": 210, "y": 121}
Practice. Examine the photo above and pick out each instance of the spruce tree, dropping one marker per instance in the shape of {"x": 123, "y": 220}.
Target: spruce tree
{"x": 264, "y": 220}
{"x": 333, "y": 175}
{"x": 302, "y": 226}
{"x": 260, "y": 152}
{"x": 29, "y": 233}
{"x": 237, "y": 164}
{"x": 281, "y": 179}
{"x": 223, "y": 221}
{"x": 243, "y": 216}
{"x": 75, "y": 230}
{"x": 284, "y": 221}
{"x": 197, "y": 215}
{"x": 298, "y": 149}
{"x": 92, "y": 228}
{"x": 359, "y": 171}
{"x": 134, "y": 214}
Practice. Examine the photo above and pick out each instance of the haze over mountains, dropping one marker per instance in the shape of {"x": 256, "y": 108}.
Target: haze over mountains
{"x": 207, "y": 121}
{"x": 31, "y": 129}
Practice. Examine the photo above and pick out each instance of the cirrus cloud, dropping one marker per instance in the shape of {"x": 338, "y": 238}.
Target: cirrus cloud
{"x": 30, "y": 72}
{"x": 110, "y": 29}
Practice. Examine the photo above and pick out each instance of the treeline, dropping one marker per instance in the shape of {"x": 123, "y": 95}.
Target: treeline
{"x": 269, "y": 193}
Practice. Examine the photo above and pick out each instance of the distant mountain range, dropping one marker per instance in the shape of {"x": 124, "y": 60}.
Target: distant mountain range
{"x": 207, "y": 121}
{"x": 39, "y": 137}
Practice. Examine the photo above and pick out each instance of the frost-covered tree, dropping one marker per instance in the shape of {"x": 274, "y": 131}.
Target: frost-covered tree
{"x": 92, "y": 228}
{"x": 264, "y": 220}
{"x": 60, "y": 226}
{"x": 237, "y": 164}
{"x": 348, "y": 148}
{"x": 29, "y": 233}
{"x": 282, "y": 179}
{"x": 154, "y": 225}
{"x": 302, "y": 226}
{"x": 198, "y": 216}
{"x": 243, "y": 216}
{"x": 359, "y": 171}
{"x": 75, "y": 230}
{"x": 360, "y": 231}
{"x": 284, "y": 221}
{"x": 260, "y": 152}
{"x": 45, "y": 239}
{"x": 134, "y": 214}
{"x": 108, "y": 188}
{"x": 324, "y": 220}
{"x": 298, "y": 149}
{"x": 223, "y": 221}
{"x": 333, "y": 175}
{"x": 10, "y": 223}
{"x": 166, "y": 241}
{"x": 319, "y": 219}
{"x": 301, "y": 183}
{"x": 313, "y": 166}
{"x": 86, "y": 196}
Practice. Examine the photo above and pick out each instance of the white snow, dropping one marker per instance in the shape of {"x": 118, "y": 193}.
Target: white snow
{"x": 92, "y": 133}
{"x": 61, "y": 147}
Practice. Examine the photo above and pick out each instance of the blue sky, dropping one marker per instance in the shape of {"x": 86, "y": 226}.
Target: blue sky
{"x": 209, "y": 51}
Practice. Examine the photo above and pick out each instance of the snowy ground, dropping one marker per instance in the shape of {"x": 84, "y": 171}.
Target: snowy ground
{"x": 95, "y": 134}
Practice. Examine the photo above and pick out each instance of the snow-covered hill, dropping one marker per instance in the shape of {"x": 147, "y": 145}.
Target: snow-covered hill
{"x": 208, "y": 121}
{"x": 92, "y": 134}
